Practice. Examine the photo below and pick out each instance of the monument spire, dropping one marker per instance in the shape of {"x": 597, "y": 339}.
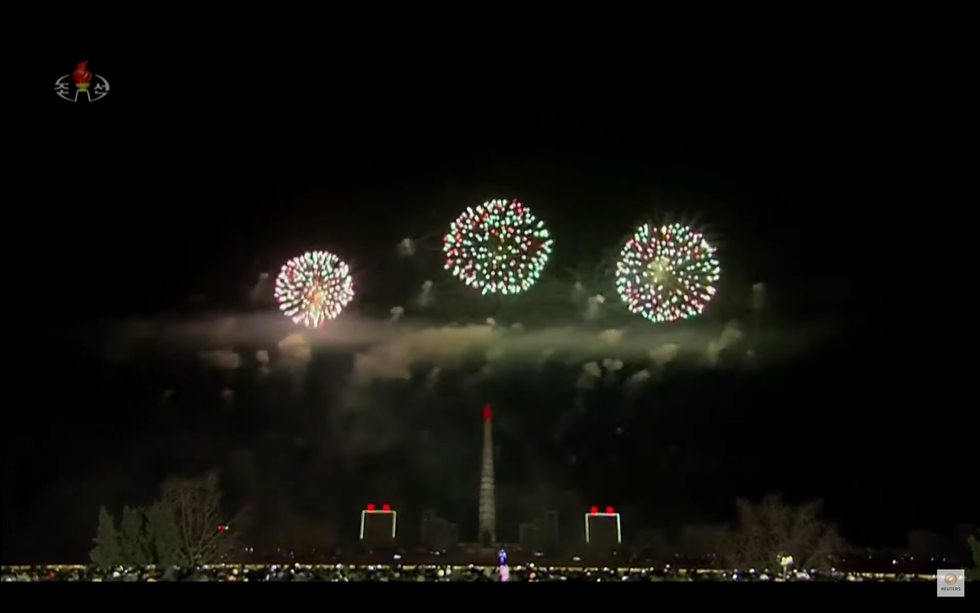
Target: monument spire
{"x": 488, "y": 507}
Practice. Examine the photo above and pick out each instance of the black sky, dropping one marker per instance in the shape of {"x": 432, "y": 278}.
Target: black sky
{"x": 193, "y": 182}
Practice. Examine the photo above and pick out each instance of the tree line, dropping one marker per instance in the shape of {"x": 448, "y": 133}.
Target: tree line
{"x": 183, "y": 527}
{"x": 186, "y": 526}
{"x": 768, "y": 532}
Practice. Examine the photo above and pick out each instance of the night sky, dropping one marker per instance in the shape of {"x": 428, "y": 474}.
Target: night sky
{"x": 167, "y": 199}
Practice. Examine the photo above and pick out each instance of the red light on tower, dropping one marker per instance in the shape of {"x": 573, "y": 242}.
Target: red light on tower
{"x": 370, "y": 506}
{"x": 487, "y": 413}
{"x": 386, "y": 507}
{"x": 593, "y": 509}
{"x": 609, "y": 510}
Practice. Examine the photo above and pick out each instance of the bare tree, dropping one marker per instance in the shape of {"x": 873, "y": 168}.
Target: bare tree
{"x": 188, "y": 523}
{"x": 165, "y": 536}
{"x": 770, "y": 530}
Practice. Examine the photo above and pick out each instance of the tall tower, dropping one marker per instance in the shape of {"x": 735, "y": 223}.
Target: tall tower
{"x": 488, "y": 507}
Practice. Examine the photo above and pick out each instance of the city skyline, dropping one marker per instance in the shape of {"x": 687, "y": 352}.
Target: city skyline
{"x": 172, "y": 357}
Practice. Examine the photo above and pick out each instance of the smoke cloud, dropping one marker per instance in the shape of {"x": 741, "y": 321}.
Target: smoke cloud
{"x": 394, "y": 348}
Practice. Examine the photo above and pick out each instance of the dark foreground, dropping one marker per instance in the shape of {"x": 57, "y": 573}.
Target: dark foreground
{"x": 419, "y": 573}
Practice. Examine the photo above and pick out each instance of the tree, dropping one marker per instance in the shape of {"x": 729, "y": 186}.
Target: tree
{"x": 771, "y": 529}
{"x": 162, "y": 532}
{"x": 188, "y": 522}
{"x": 974, "y": 573}
{"x": 107, "y": 551}
{"x": 135, "y": 540}
{"x": 183, "y": 527}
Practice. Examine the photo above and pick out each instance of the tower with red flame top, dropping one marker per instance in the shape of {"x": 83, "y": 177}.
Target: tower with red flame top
{"x": 488, "y": 506}
{"x": 82, "y": 77}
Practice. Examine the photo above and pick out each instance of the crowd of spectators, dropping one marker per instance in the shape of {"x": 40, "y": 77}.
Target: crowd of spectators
{"x": 420, "y": 573}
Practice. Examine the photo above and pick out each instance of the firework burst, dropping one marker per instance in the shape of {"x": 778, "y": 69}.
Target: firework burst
{"x": 314, "y": 288}
{"x": 499, "y": 247}
{"x": 667, "y": 273}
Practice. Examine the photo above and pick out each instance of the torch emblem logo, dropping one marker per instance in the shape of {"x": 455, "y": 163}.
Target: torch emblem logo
{"x": 81, "y": 84}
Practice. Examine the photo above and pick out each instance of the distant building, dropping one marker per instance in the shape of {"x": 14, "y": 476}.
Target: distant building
{"x": 437, "y": 534}
{"x": 428, "y": 527}
{"x": 529, "y": 536}
{"x": 540, "y": 534}
{"x": 452, "y": 535}
{"x": 550, "y": 535}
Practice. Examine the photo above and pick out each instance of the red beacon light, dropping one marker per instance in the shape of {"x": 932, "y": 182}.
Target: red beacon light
{"x": 370, "y": 506}
{"x": 593, "y": 509}
{"x": 609, "y": 510}
{"x": 386, "y": 507}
